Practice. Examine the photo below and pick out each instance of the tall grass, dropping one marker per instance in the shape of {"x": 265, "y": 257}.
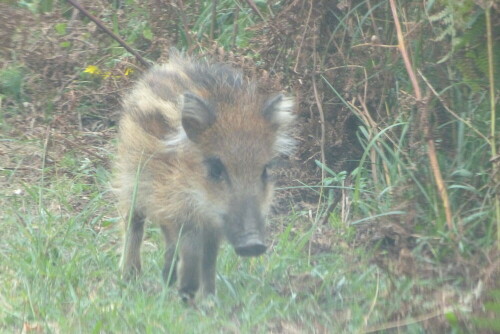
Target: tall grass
{"x": 394, "y": 165}
{"x": 394, "y": 186}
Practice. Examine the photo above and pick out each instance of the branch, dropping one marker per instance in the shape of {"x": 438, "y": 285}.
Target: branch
{"x": 255, "y": 9}
{"x": 101, "y": 25}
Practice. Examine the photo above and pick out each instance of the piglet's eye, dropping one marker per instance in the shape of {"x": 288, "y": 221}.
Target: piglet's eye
{"x": 216, "y": 169}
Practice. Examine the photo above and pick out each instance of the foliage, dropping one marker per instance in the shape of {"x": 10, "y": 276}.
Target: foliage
{"x": 399, "y": 172}
{"x": 395, "y": 192}
{"x": 464, "y": 24}
{"x": 492, "y": 306}
{"x": 11, "y": 82}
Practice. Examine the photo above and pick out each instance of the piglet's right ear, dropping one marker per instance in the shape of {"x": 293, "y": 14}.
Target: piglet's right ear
{"x": 197, "y": 115}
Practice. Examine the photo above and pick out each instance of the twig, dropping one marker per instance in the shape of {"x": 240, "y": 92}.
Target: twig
{"x": 44, "y": 161}
{"x": 101, "y": 25}
{"x": 374, "y": 45}
{"x": 407, "y": 322}
{"x": 19, "y": 168}
{"x": 255, "y": 9}
{"x": 404, "y": 52}
{"x": 372, "y": 19}
{"x": 235, "y": 26}
{"x": 306, "y": 26}
{"x": 184, "y": 23}
{"x": 214, "y": 19}
{"x": 320, "y": 110}
{"x": 423, "y": 108}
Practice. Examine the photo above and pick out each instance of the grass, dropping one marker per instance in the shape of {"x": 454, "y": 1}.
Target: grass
{"x": 59, "y": 262}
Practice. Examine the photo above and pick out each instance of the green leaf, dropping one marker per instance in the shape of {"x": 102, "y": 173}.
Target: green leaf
{"x": 60, "y": 28}
{"x": 148, "y": 34}
{"x": 452, "y": 318}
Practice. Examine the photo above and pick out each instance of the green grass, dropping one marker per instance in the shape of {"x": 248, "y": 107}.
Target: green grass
{"x": 59, "y": 263}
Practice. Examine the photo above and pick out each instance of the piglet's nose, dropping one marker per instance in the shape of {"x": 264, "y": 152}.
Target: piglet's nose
{"x": 251, "y": 247}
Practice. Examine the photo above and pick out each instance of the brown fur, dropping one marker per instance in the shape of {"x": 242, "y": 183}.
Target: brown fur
{"x": 194, "y": 143}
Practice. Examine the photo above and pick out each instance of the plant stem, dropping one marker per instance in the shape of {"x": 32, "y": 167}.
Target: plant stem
{"x": 423, "y": 108}
{"x": 214, "y": 19}
{"x": 491, "y": 76}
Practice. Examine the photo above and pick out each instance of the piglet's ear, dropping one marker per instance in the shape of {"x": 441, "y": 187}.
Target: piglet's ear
{"x": 197, "y": 115}
{"x": 278, "y": 111}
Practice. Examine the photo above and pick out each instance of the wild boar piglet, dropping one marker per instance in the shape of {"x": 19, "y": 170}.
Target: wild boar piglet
{"x": 195, "y": 144}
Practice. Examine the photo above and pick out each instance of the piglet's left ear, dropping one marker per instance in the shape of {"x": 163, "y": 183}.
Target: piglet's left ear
{"x": 278, "y": 111}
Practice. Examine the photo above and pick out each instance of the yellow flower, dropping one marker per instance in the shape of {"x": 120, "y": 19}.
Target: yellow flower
{"x": 92, "y": 69}
{"x": 95, "y": 70}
